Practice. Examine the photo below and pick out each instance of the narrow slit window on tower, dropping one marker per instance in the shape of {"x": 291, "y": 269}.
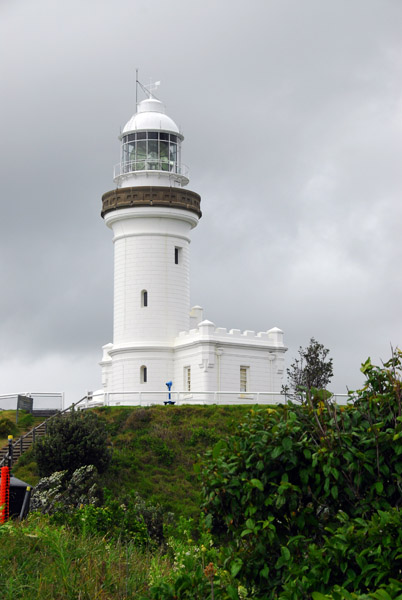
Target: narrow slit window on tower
{"x": 143, "y": 374}
{"x": 243, "y": 379}
{"x": 177, "y": 255}
{"x": 144, "y": 298}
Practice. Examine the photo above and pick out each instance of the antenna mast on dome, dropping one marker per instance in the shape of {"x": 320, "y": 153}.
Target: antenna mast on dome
{"x": 147, "y": 89}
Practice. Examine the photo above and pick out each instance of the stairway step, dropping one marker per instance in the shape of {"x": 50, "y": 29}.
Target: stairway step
{"x": 28, "y": 439}
{"x": 44, "y": 413}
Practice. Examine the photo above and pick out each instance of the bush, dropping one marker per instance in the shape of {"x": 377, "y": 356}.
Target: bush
{"x": 62, "y": 492}
{"x": 7, "y": 427}
{"x": 113, "y": 520}
{"x": 72, "y": 441}
{"x": 25, "y": 420}
{"x": 138, "y": 419}
{"x": 274, "y": 488}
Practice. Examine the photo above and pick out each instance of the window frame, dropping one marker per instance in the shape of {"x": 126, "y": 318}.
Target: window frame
{"x": 144, "y": 298}
{"x": 143, "y": 374}
{"x": 244, "y": 379}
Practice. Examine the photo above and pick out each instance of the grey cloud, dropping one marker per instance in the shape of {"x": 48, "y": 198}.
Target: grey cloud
{"x": 292, "y": 116}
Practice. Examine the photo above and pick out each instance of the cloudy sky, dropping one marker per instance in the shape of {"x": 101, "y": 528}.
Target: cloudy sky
{"x": 292, "y": 116}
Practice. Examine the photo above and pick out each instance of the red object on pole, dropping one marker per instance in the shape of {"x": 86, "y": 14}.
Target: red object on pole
{"x": 4, "y": 494}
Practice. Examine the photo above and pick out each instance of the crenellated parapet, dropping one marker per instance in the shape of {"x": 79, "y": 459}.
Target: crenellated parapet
{"x": 207, "y": 330}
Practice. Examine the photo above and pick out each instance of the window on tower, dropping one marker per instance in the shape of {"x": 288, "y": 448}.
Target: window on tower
{"x": 144, "y": 298}
{"x": 143, "y": 374}
{"x": 177, "y": 255}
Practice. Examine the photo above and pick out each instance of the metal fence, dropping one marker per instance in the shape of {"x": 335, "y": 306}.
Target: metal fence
{"x": 41, "y": 400}
{"x": 136, "y": 398}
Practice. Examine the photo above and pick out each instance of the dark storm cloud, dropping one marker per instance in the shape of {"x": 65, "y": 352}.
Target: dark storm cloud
{"x": 292, "y": 114}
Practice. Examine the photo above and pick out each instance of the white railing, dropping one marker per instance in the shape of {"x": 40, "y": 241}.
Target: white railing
{"x": 41, "y": 400}
{"x": 135, "y": 398}
{"x": 135, "y": 166}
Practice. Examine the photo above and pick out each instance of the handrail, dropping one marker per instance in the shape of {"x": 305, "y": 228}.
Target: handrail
{"x": 38, "y": 397}
{"x": 146, "y": 398}
{"x": 149, "y": 164}
{"x": 32, "y": 431}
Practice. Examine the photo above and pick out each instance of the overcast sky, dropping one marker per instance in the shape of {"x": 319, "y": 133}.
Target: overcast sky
{"x": 292, "y": 117}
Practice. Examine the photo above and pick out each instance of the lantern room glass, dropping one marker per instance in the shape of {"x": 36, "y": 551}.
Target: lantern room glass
{"x": 150, "y": 151}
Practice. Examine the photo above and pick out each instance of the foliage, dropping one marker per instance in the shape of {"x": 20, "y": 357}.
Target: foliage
{"x": 274, "y": 489}
{"x": 196, "y": 572}
{"x": 133, "y": 519}
{"x": 61, "y": 492}
{"x": 73, "y": 440}
{"x": 7, "y": 427}
{"x": 360, "y": 553}
{"x": 41, "y": 560}
{"x": 155, "y": 448}
{"x": 112, "y": 521}
{"x": 311, "y": 370}
{"x": 25, "y": 420}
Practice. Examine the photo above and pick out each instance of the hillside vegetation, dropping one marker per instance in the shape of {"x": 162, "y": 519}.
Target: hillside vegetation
{"x": 294, "y": 502}
{"x": 154, "y": 450}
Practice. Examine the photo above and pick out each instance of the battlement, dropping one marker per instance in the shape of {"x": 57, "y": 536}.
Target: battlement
{"x": 207, "y": 330}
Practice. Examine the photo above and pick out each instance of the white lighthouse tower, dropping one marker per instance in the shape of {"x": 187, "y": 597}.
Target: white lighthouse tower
{"x": 151, "y": 216}
{"x": 156, "y": 337}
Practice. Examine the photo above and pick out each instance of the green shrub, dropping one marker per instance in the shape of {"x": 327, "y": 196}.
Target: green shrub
{"x": 203, "y": 435}
{"x": 25, "y": 420}
{"x": 72, "y": 441}
{"x": 138, "y": 419}
{"x": 274, "y": 488}
{"x": 26, "y": 458}
{"x": 362, "y": 554}
{"x": 7, "y": 427}
{"x": 113, "y": 521}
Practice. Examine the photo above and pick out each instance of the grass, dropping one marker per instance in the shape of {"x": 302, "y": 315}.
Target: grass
{"x": 42, "y": 561}
{"x": 25, "y": 423}
{"x": 154, "y": 450}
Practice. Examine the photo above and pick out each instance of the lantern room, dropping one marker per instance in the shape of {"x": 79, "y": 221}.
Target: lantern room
{"x": 151, "y": 149}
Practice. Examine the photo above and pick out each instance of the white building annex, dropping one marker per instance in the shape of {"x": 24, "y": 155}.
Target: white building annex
{"x": 157, "y": 337}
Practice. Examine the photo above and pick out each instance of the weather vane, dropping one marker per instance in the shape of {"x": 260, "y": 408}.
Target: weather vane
{"x": 147, "y": 89}
{"x": 152, "y": 86}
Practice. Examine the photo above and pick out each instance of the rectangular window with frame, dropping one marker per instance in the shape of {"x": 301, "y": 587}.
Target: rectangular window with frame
{"x": 177, "y": 255}
{"x": 243, "y": 379}
{"x": 187, "y": 379}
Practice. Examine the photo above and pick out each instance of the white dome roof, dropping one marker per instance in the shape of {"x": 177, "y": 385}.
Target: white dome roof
{"x": 151, "y": 116}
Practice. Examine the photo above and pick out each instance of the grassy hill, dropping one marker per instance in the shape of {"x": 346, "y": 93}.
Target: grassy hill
{"x": 154, "y": 450}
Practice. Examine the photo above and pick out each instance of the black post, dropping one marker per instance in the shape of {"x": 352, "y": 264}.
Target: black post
{"x": 10, "y": 452}
{"x": 25, "y": 504}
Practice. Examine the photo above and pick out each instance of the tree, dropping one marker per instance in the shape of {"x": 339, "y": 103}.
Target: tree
{"x": 311, "y": 370}
{"x": 73, "y": 441}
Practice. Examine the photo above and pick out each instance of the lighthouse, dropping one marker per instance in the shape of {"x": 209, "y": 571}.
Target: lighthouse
{"x": 157, "y": 336}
